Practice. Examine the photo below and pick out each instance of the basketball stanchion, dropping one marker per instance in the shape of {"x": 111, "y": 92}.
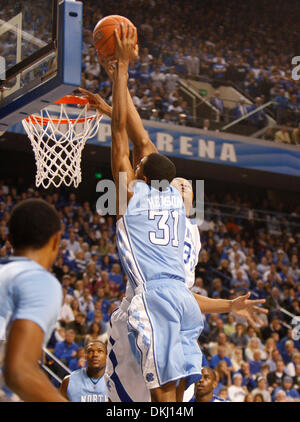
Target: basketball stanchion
{"x": 58, "y": 141}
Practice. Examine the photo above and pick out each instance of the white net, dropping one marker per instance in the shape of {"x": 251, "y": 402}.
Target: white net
{"x": 58, "y": 142}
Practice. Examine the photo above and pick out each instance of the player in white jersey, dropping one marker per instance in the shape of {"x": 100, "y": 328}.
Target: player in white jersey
{"x": 192, "y": 242}
{"x": 30, "y": 299}
{"x": 123, "y": 376}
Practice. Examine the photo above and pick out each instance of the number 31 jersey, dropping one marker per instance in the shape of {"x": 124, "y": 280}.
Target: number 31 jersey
{"x": 151, "y": 236}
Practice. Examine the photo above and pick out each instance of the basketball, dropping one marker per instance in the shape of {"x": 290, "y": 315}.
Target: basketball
{"x": 104, "y": 38}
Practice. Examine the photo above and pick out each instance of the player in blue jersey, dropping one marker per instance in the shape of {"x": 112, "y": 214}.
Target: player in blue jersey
{"x": 30, "y": 299}
{"x": 204, "y": 388}
{"x": 164, "y": 319}
{"x": 87, "y": 384}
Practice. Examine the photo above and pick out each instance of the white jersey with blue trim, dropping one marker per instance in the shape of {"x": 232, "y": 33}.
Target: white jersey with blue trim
{"x": 150, "y": 235}
{"x": 215, "y": 399}
{"x": 192, "y": 246}
{"x": 27, "y": 291}
{"x": 82, "y": 388}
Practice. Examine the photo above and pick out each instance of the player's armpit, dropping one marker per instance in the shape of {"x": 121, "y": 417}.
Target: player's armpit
{"x": 64, "y": 386}
{"x": 21, "y": 369}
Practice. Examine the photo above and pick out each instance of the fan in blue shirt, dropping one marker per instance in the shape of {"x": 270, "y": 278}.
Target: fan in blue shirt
{"x": 287, "y": 387}
{"x": 66, "y": 350}
{"x": 219, "y": 357}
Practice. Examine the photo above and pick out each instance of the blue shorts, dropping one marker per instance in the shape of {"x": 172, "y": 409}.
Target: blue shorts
{"x": 164, "y": 325}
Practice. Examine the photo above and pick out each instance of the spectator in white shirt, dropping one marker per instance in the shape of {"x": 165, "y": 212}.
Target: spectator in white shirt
{"x": 206, "y": 124}
{"x": 263, "y": 266}
{"x": 236, "y": 251}
{"x": 87, "y": 254}
{"x": 135, "y": 99}
{"x": 198, "y": 287}
{"x": 66, "y": 314}
{"x": 171, "y": 80}
{"x": 235, "y": 268}
{"x": 272, "y": 275}
{"x": 86, "y": 302}
{"x": 291, "y": 366}
{"x": 157, "y": 77}
{"x": 72, "y": 244}
{"x": 93, "y": 67}
{"x": 262, "y": 389}
{"x": 236, "y": 392}
{"x": 192, "y": 63}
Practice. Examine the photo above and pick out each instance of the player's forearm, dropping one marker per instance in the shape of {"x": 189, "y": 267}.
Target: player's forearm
{"x": 208, "y": 305}
{"x": 119, "y": 108}
{"x": 135, "y": 129}
{"x": 32, "y": 385}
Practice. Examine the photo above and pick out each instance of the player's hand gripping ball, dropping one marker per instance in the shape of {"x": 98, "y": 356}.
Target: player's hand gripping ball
{"x": 104, "y": 38}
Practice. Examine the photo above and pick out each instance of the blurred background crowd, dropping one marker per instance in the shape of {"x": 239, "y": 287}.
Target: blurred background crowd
{"x": 243, "y": 249}
{"x": 248, "y": 48}
{"x": 221, "y": 43}
{"x": 248, "y": 242}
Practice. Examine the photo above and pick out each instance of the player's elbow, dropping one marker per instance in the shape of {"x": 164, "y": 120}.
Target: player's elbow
{"x": 17, "y": 374}
{"x": 13, "y": 378}
{"x": 144, "y": 140}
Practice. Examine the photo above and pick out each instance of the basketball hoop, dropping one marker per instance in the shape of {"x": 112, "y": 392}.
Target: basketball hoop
{"x": 58, "y": 141}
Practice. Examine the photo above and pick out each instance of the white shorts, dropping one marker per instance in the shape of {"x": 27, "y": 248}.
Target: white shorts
{"x": 123, "y": 375}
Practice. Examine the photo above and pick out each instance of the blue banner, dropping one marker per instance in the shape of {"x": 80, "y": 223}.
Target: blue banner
{"x": 211, "y": 147}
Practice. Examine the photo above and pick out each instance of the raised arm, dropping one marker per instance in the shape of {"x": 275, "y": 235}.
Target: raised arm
{"x": 120, "y": 155}
{"x": 142, "y": 144}
{"x": 138, "y": 136}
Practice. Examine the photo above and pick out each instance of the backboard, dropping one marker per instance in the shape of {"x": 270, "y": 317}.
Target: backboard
{"x": 40, "y": 55}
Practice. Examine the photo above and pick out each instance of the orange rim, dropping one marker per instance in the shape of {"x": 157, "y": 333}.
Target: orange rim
{"x": 68, "y": 99}
{"x": 39, "y": 120}
{"x": 72, "y": 99}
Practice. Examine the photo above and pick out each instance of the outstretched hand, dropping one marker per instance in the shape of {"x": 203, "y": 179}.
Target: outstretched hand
{"x": 243, "y": 307}
{"x": 126, "y": 49}
{"x": 96, "y": 101}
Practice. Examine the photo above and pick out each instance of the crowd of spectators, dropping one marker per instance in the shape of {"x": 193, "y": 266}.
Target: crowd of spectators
{"x": 283, "y": 135}
{"x": 220, "y": 41}
{"x": 242, "y": 249}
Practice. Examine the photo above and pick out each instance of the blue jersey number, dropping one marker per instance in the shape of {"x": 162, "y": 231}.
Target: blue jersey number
{"x": 189, "y": 255}
{"x": 162, "y": 236}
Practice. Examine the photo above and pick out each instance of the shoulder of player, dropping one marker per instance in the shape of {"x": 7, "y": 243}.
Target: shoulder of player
{"x": 218, "y": 399}
{"x": 35, "y": 274}
{"x": 37, "y": 277}
{"x": 74, "y": 374}
{"x": 193, "y": 227}
{"x": 66, "y": 379}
